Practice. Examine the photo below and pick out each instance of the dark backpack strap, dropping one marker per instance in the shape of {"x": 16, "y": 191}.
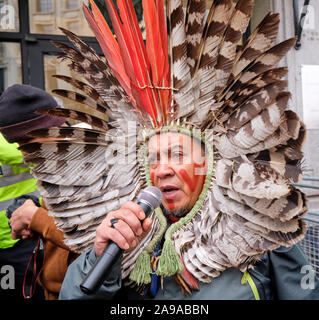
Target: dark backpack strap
{"x": 33, "y": 270}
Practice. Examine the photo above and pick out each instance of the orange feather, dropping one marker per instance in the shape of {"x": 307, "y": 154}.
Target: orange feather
{"x": 154, "y": 46}
{"x": 133, "y": 50}
{"x": 148, "y": 97}
{"x": 165, "y": 95}
{"x": 111, "y": 49}
{"x": 189, "y": 278}
{"x": 154, "y": 50}
{"x": 163, "y": 34}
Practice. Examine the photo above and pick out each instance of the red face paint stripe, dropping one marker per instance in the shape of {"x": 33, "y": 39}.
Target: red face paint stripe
{"x": 187, "y": 179}
{"x": 171, "y": 205}
{"x": 191, "y": 182}
{"x": 153, "y": 178}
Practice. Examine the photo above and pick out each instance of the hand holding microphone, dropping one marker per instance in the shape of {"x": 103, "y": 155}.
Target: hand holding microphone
{"x": 120, "y": 230}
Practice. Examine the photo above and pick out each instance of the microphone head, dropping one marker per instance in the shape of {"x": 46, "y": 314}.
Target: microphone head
{"x": 152, "y": 195}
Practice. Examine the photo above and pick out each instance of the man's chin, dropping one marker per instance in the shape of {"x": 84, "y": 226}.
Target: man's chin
{"x": 176, "y": 213}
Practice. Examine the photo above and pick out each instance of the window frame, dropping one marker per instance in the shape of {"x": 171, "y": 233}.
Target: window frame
{"x": 35, "y": 46}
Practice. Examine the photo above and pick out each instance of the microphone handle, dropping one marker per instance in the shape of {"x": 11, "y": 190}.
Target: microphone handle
{"x": 96, "y": 276}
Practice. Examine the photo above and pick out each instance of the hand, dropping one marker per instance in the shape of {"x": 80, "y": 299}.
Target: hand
{"x": 127, "y": 232}
{"x": 21, "y": 219}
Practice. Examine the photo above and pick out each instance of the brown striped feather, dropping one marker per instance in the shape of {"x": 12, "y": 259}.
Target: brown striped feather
{"x": 215, "y": 26}
{"x": 241, "y": 91}
{"x": 79, "y": 98}
{"x": 103, "y": 81}
{"x": 85, "y": 49}
{"x": 254, "y": 103}
{"x": 194, "y": 24}
{"x": 69, "y": 132}
{"x": 236, "y": 28}
{"x": 184, "y": 96}
{"x": 267, "y": 60}
{"x": 258, "y": 42}
{"x": 87, "y": 89}
{"x": 77, "y": 115}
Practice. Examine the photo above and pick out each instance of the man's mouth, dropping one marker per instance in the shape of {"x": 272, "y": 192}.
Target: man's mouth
{"x": 169, "y": 191}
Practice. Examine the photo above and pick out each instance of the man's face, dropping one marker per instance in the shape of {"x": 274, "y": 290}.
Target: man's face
{"x": 177, "y": 167}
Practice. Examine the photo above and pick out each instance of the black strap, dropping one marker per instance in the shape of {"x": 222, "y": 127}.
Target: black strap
{"x": 33, "y": 270}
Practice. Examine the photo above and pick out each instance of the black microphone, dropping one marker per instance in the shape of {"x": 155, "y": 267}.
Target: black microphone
{"x": 149, "y": 199}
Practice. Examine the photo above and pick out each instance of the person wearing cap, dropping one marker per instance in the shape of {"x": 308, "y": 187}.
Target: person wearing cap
{"x": 16, "y": 182}
{"x": 18, "y": 107}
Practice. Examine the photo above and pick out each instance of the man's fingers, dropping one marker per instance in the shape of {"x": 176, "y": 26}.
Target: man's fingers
{"x": 135, "y": 208}
{"x": 147, "y": 224}
{"x": 130, "y": 218}
{"x": 115, "y": 236}
{"x": 126, "y": 232}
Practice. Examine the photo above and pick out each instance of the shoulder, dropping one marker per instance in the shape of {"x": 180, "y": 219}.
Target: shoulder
{"x": 291, "y": 274}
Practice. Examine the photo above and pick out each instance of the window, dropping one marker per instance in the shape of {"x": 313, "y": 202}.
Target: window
{"x": 10, "y": 64}
{"x": 45, "y": 6}
{"x": 310, "y": 93}
{"x": 72, "y": 4}
{"x": 57, "y": 15}
{"x": 9, "y": 19}
{"x": 24, "y": 48}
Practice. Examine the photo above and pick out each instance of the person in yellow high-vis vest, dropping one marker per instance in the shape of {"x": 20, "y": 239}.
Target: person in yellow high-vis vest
{"x": 15, "y": 181}
{"x": 18, "y": 116}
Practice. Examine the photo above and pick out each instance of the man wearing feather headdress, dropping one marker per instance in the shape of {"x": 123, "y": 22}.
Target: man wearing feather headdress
{"x": 177, "y": 166}
{"x": 229, "y": 231}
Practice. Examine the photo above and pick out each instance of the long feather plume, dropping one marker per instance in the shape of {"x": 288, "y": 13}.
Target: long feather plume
{"x": 155, "y": 51}
{"x": 215, "y": 26}
{"x": 133, "y": 50}
{"x": 87, "y": 89}
{"x": 194, "y": 25}
{"x": 164, "y": 37}
{"x": 181, "y": 76}
{"x": 236, "y": 28}
{"x": 108, "y": 45}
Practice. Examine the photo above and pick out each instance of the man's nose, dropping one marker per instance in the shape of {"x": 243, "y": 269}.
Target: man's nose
{"x": 163, "y": 171}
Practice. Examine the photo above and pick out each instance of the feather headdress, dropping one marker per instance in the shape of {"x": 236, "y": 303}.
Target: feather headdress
{"x": 189, "y": 75}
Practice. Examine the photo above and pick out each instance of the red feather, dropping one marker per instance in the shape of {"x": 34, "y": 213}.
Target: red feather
{"x": 155, "y": 35}
{"x": 134, "y": 55}
{"x": 154, "y": 46}
{"x": 142, "y": 67}
{"x": 165, "y": 95}
{"x": 189, "y": 278}
{"x": 163, "y": 34}
{"x": 121, "y": 39}
{"x": 108, "y": 45}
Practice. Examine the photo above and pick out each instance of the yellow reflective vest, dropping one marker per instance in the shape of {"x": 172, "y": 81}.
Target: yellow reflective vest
{"x": 15, "y": 181}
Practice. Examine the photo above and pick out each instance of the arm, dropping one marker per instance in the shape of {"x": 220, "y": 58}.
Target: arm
{"x": 43, "y": 224}
{"x": 76, "y": 273}
{"x": 29, "y": 218}
{"x": 292, "y": 276}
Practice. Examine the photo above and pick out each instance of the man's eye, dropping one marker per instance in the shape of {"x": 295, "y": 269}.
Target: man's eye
{"x": 152, "y": 159}
{"x": 177, "y": 155}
